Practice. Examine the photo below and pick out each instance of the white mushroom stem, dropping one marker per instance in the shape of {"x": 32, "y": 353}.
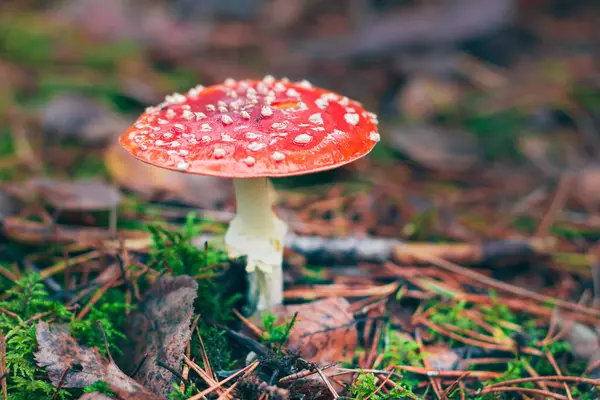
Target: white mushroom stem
{"x": 257, "y": 233}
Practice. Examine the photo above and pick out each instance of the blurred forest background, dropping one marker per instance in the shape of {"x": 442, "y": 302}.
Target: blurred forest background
{"x": 490, "y": 122}
{"x": 457, "y": 83}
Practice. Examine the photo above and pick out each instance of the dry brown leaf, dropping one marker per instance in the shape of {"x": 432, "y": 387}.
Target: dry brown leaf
{"x": 324, "y": 331}
{"x": 94, "y": 396}
{"x": 157, "y": 183}
{"x": 437, "y": 148}
{"x": 161, "y": 329}
{"x": 424, "y": 97}
{"x": 24, "y": 231}
{"x": 79, "y": 195}
{"x": 59, "y": 352}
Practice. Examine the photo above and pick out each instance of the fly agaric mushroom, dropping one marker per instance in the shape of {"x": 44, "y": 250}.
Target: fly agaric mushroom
{"x": 251, "y": 130}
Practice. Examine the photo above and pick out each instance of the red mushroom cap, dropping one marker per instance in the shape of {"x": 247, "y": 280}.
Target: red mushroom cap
{"x": 249, "y": 128}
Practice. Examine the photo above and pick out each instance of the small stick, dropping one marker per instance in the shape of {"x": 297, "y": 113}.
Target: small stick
{"x": 224, "y": 381}
{"x": 60, "y": 383}
{"x": 105, "y": 341}
{"x": 139, "y": 366}
{"x": 575, "y": 379}
{"x": 305, "y": 373}
{"x": 329, "y": 386}
{"x": 209, "y": 370}
{"x": 248, "y": 324}
{"x": 174, "y": 372}
{"x": 525, "y": 390}
{"x": 378, "y": 388}
{"x": 226, "y": 393}
{"x": 552, "y": 361}
{"x": 454, "y": 384}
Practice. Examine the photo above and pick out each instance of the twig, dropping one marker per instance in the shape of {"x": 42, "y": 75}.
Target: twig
{"x": 248, "y": 324}
{"x": 435, "y": 383}
{"x": 60, "y": 383}
{"x": 209, "y": 370}
{"x": 560, "y": 197}
{"x": 250, "y": 367}
{"x": 454, "y": 384}
{"x": 105, "y": 341}
{"x": 226, "y": 393}
{"x": 559, "y": 378}
{"x": 307, "y": 372}
{"x": 552, "y": 361}
{"x": 139, "y": 366}
{"x": 525, "y": 390}
{"x": 496, "y": 284}
{"x": 378, "y": 388}
{"x": 327, "y": 383}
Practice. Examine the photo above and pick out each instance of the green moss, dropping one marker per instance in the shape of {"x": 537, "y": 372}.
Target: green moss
{"x": 29, "y": 301}
{"x": 365, "y": 386}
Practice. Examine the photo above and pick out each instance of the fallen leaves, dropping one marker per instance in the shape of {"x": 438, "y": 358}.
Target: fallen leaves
{"x": 77, "y": 195}
{"x": 161, "y": 330}
{"x": 70, "y": 365}
{"x": 324, "y": 331}
{"x": 437, "y": 148}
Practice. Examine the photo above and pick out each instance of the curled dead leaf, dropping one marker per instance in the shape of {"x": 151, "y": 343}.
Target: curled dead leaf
{"x": 79, "y": 195}
{"x": 77, "y": 366}
{"x": 324, "y": 331}
{"x": 161, "y": 329}
{"x": 424, "y": 97}
{"x": 94, "y": 396}
{"x": 437, "y": 148}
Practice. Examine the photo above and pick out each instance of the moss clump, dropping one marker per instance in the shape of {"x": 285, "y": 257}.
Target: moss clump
{"x": 28, "y": 303}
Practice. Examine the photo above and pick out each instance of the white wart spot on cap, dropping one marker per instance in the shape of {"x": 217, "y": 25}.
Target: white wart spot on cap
{"x": 162, "y": 121}
{"x": 374, "y": 136}
{"x": 226, "y": 138}
{"x": 211, "y": 107}
{"x": 305, "y": 84}
{"x": 251, "y": 135}
{"x": 170, "y": 113}
{"x": 269, "y": 79}
{"x": 316, "y": 119}
{"x": 352, "y": 119}
{"x": 226, "y": 119}
{"x": 303, "y": 138}
{"x": 244, "y": 114}
{"x": 249, "y": 161}
{"x": 279, "y": 125}
{"x": 255, "y": 146}
{"x": 182, "y": 166}
{"x": 206, "y": 139}
{"x": 266, "y": 111}
{"x": 205, "y": 128}
{"x": 278, "y": 156}
{"x": 219, "y": 153}
{"x": 292, "y": 93}
{"x": 175, "y": 98}
{"x": 229, "y": 82}
{"x": 321, "y": 103}
{"x": 199, "y": 116}
{"x": 187, "y": 115}
{"x": 373, "y": 118}
{"x": 175, "y": 143}
{"x": 279, "y": 87}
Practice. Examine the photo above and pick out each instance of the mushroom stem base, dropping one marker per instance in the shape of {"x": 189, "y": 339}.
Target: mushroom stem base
{"x": 257, "y": 233}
